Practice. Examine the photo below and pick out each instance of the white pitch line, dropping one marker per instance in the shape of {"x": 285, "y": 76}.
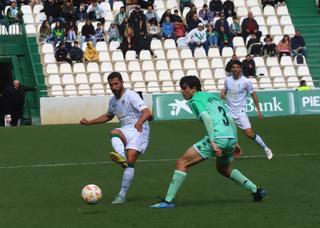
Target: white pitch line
{"x": 139, "y": 161}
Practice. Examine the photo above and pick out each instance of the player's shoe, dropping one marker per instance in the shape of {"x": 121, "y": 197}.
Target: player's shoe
{"x": 119, "y": 159}
{"x": 258, "y": 196}
{"x": 118, "y": 200}
{"x": 268, "y": 153}
{"x": 163, "y": 204}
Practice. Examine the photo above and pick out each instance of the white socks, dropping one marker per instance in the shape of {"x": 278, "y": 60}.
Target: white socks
{"x": 260, "y": 142}
{"x": 127, "y": 178}
{"x": 118, "y": 146}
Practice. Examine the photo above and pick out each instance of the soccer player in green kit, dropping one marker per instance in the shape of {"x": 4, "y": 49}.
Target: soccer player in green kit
{"x": 219, "y": 142}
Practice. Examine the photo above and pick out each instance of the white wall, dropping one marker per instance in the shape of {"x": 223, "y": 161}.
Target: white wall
{"x": 69, "y": 110}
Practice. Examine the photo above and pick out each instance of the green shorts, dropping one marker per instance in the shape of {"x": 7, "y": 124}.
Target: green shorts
{"x": 226, "y": 144}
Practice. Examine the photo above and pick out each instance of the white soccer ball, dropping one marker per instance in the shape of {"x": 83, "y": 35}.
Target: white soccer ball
{"x": 91, "y": 194}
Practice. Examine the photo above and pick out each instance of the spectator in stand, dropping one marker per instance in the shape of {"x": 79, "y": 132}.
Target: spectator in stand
{"x": 100, "y": 31}
{"x": 167, "y": 29}
{"x": 137, "y": 20}
{"x": 151, "y": 14}
{"x": 249, "y": 25}
{"x": 193, "y": 23}
{"x": 53, "y": 11}
{"x": 88, "y": 33}
{"x": 143, "y": 42}
{"x": 222, "y": 22}
{"x": 14, "y": 14}
{"x": 224, "y": 39}
{"x": 91, "y": 54}
{"x": 153, "y": 29}
{"x": 95, "y": 12}
{"x": 249, "y": 67}
{"x": 228, "y": 8}
{"x": 269, "y": 48}
{"x": 192, "y": 11}
{"x": 229, "y": 64}
{"x": 176, "y": 17}
{"x": 197, "y": 37}
{"x": 15, "y": 95}
{"x": 284, "y": 47}
{"x": 45, "y": 32}
{"x": 212, "y": 36}
{"x": 183, "y": 4}
{"x": 179, "y": 29}
{"x": 298, "y": 44}
{"x": 206, "y": 15}
{"x": 67, "y": 10}
{"x": 235, "y": 28}
{"x": 163, "y": 17}
{"x": 113, "y": 33}
{"x": 71, "y": 37}
{"x": 145, "y": 3}
{"x": 216, "y": 6}
{"x": 254, "y": 45}
{"x": 81, "y": 12}
{"x": 57, "y": 34}
{"x": 124, "y": 26}
{"x": 267, "y": 2}
{"x": 131, "y": 4}
{"x": 61, "y": 53}
{"x": 128, "y": 41}
{"x": 3, "y": 20}
{"x": 303, "y": 86}
{"x": 76, "y": 53}
{"x": 118, "y": 19}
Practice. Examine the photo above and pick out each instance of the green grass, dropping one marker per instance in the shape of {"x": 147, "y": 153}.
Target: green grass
{"x": 50, "y": 196}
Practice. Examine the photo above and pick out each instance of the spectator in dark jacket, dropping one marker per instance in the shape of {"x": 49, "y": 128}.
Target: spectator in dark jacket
{"x": 269, "y": 48}
{"x": 15, "y": 96}
{"x": 249, "y": 25}
{"x": 88, "y": 33}
{"x": 216, "y": 6}
{"x": 228, "y": 8}
{"x": 206, "y": 15}
{"x": 53, "y": 11}
{"x": 76, "y": 53}
{"x": 14, "y": 14}
{"x": 124, "y": 26}
{"x": 193, "y": 23}
{"x": 298, "y": 44}
{"x": 143, "y": 42}
{"x": 137, "y": 20}
{"x": 222, "y": 22}
{"x": 229, "y": 64}
{"x": 61, "y": 53}
{"x": 176, "y": 17}
{"x": 128, "y": 41}
{"x": 249, "y": 67}
{"x": 192, "y": 11}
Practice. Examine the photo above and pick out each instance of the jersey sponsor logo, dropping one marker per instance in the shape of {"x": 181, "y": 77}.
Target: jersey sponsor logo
{"x": 177, "y": 106}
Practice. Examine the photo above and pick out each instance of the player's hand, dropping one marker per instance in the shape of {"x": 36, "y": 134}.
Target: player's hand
{"x": 138, "y": 126}
{"x": 216, "y": 149}
{"x": 260, "y": 115}
{"x": 84, "y": 121}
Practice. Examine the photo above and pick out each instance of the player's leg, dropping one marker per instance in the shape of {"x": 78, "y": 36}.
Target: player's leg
{"x": 237, "y": 151}
{"x": 118, "y": 141}
{"x": 224, "y": 168}
{"x": 128, "y": 174}
{"x": 191, "y": 157}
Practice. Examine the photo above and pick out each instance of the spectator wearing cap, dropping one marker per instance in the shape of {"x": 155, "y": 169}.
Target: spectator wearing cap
{"x": 167, "y": 29}
{"x": 118, "y": 19}
{"x": 197, "y": 37}
{"x": 206, "y": 15}
{"x": 137, "y": 20}
{"x": 249, "y": 67}
{"x": 298, "y": 44}
{"x": 193, "y": 23}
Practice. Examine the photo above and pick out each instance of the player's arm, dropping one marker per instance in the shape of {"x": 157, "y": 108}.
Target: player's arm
{"x": 101, "y": 119}
{"x": 256, "y": 102}
{"x": 145, "y": 115}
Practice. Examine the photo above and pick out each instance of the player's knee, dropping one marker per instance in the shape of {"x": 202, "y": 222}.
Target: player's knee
{"x": 114, "y": 132}
{"x": 181, "y": 164}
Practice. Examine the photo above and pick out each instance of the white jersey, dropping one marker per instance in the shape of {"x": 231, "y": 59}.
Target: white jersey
{"x": 236, "y": 93}
{"x": 127, "y": 109}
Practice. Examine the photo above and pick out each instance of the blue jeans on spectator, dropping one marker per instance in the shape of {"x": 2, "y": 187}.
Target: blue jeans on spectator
{"x": 302, "y": 51}
{"x": 212, "y": 40}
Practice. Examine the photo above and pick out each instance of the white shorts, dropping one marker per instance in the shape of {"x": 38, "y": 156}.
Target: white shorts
{"x": 241, "y": 119}
{"x": 136, "y": 140}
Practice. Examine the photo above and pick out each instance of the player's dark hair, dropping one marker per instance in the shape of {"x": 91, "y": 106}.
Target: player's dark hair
{"x": 237, "y": 62}
{"x": 113, "y": 75}
{"x": 191, "y": 82}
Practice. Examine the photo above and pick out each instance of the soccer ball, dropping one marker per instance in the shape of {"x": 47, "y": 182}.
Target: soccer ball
{"x": 91, "y": 194}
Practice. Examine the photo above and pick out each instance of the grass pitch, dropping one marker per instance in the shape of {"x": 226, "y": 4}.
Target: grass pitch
{"x": 42, "y": 171}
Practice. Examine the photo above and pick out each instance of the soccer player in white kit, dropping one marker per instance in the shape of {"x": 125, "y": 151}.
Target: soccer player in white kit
{"x": 131, "y": 139}
{"x": 235, "y": 91}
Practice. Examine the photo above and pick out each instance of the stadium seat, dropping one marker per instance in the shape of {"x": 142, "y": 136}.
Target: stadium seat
{"x": 84, "y": 90}
{"x": 57, "y": 91}
{"x": 81, "y": 79}
{"x": 167, "y": 86}
{"x": 52, "y": 69}
{"x": 70, "y": 90}
{"x": 26, "y": 9}
{"x": 286, "y": 61}
{"x": 140, "y": 86}
{"x": 296, "y": 63}
{"x": 130, "y": 55}
{"x": 272, "y": 61}
{"x": 164, "y": 75}
{"x": 47, "y": 49}
{"x": 150, "y": 76}
{"x": 275, "y": 30}
{"x": 259, "y": 61}
{"x": 97, "y": 89}
{"x": 170, "y": 44}
{"x": 101, "y": 46}
{"x": 41, "y": 17}
{"x": 254, "y": 82}
{"x": 172, "y": 4}
{"x": 256, "y": 11}
{"x": 79, "y": 68}
{"x": 117, "y": 56}
{"x": 239, "y": 3}
{"x": 200, "y": 53}
{"x": 219, "y": 73}
{"x": 198, "y": 3}
{"x": 227, "y": 52}
{"x": 289, "y": 29}
{"x": 120, "y": 66}
{"x": 177, "y": 75}
{"x": 159, "y": 53}
{"x": 285, "y": 20}
{"x": 175, "y": 64}
{"x": 145, "y": 55}
{"x": 3, "y": 30}
{"x": 173, "y": 54}
{"x": 37, "y": 8}
{"x": 186, "y": 53}
{"x": 134, "y": 66}
{"x": 65, "y": 68}
{"x": 159, "y": 5}
{"x": 214, "y": 53}
{"x": 95, "y": 78}
{"x": 104, "y": 56}
{"x": 251, "y": 3}
{"x": 192, "y": 72}
{"x": 238, "y": 41}
{"x": 28, "y": 19}
{"x": 54, "y": 79}
{"x": 153, "y": 87}
{"x": 303, "y": 71}
{"x": 220, "y": 84}
{"x": 262, "y": 71}
{"x": 114, "y": 45}
{"x": 265, "y": 83}
{"x": 241, "y": 51}
{"x": 136, "y": 76}
{"x": 279, "y": 83}
{"x": 117, "y": 5}
{"x": 147, "y": 65}
{"x": 217, "y": 63}
{"x": 125, "y": 77}
{"x": 206, "y": 74}
{"x": 269, "y": 11}
{"x": 189, "y": 64}
{"x": 156, "y": 44}
{"x": 162, "y": 65}
{"x": 289, "y": 71}
{"x": 30, "y": 29}
{"x": 275, "y": 72}
{"x": 92, "y": 67}
{"x": 282, "y": 10}
{"x": 293, "y": 82}
{"x": 209, "y": 85}
{"x": 49, "y": 58}
{"x": 242, "y": 11}
{"x": 203, "y": 64}
{"x": 264, "y": 30}
{"x": 106, "y": 67}
{"x": 260, "y": 20}
{"x": 272, "y": 20}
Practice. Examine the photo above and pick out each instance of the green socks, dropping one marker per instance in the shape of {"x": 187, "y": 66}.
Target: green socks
{"x": 243, "y": 180}
{"x": 176, "y": 182}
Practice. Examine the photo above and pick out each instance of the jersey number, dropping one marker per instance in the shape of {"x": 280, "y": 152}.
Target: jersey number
{"x": 225, "y": 120}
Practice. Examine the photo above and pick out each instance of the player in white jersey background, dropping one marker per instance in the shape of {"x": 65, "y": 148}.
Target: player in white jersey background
{"x": 131, "y": 139}
{"x": 235, "y": 92}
